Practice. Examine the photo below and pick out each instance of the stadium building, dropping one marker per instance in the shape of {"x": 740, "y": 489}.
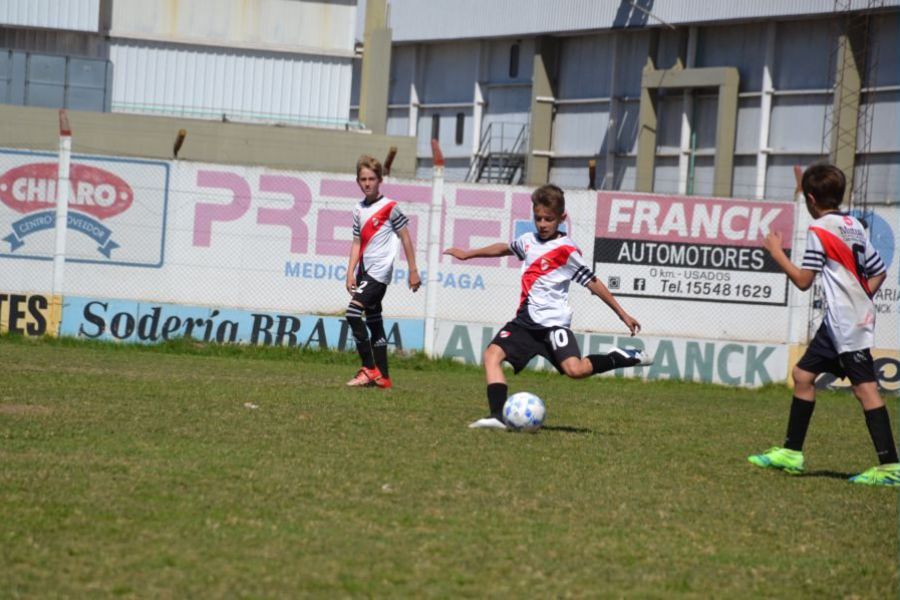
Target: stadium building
{"x": 711, "y": 98}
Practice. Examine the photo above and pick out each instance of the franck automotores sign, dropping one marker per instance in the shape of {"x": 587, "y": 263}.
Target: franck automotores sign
{"x": 675, "y": 247}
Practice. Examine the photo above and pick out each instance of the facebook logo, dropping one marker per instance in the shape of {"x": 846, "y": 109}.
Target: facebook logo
{"x": 640, "y": 284}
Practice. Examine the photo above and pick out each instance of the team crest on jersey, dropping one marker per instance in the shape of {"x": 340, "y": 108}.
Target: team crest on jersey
{"x": 545, "y": 264}
{"x": 375, "y": 221}
{"x": 848, "y": 221}
{"x": 504, "y": 334}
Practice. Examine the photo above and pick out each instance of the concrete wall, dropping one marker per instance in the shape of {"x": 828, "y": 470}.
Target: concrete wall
{"x": 297, "y": 148}
{"x": 278, "y": 25}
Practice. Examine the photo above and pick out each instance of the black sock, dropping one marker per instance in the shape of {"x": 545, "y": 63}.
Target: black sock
{"x": 365, "y": 353}
{"x": 602, "y": 363}
{"x": 496, "y": 394}
{"x": 360, "y": 335}
{"x": 379, "y": 343}
{"x": 879, "y": 423}
{"x": 798, "y": 423}
{"x": 380, "y": 353}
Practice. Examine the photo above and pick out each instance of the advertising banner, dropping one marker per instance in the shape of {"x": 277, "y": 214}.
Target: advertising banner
{"x": 117, "y": 209}
{"x": 32, "y": 315}
{"x": 686, "y": 248}
{"x": 710, "y": 361}
{"x": 147, "y": 322}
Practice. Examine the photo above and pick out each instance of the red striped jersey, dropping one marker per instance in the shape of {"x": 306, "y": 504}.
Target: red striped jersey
{"x": 376, "y": 225}
{"x": 547, "y": 268}
{"x": 838, "y": 247}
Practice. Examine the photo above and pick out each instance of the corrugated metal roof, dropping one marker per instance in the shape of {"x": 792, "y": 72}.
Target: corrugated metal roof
{"x": 79, "y": 15}
{"x": 207, "y": 82}
{"x": 414, "y": 20}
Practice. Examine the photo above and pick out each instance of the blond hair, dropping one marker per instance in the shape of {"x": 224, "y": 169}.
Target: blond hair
{"x": 368, "y": 162}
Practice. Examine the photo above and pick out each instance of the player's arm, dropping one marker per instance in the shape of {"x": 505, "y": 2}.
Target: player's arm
{"x": 802, "y": 278}
{"x": 601, "y": 291}
{"x": 492, "y": 251}
{"x": 351, "y": 265}
{"x": 414, "y": 280}
{"x": 876, "y": 281}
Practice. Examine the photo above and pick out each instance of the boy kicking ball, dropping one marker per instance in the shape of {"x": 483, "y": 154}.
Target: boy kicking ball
{"x": 550, "y": 261}
{"x": 837, "y": 247}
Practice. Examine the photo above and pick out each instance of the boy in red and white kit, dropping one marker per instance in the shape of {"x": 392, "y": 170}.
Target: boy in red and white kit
{"x": 378, "y": 223}
{"x": 852, "y": 271}
{"x": 551, "y": 260}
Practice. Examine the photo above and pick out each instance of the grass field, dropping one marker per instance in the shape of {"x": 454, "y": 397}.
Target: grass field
{"x": 147, "y": 472}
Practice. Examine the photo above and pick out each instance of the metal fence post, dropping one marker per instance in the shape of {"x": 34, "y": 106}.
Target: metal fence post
{"x": 62, "y": 209}
{"x": 434, "y": 251}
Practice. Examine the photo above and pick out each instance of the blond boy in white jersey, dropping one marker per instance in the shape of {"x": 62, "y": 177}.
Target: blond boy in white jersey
{"x": 378, "y": 223}
{"x": 551, "y": 260}
{"x": 837, "y": 247}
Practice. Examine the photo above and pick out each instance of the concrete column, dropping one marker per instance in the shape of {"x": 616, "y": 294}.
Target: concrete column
{"x": 412, "y": 127}
{"x": 376, "y": 68}
{"x": 845, "y": 110}
{"x": 543, "y": 94}
{"x": 647, "y": 124}
{"x": 612, "y": 127}
{"x": 687, "y": 112}
{"x": 726, "y": 128}
{"x": 765, "y": 114}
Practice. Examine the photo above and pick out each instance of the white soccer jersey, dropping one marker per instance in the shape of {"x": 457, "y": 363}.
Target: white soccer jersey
{"x": 547, "y": 268}
{"x": 376, "y": 225}
{"x": 837, "y": 245}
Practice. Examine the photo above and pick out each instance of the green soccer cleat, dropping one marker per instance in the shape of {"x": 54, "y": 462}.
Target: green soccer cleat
{"x": 789, "y": 461}
{"x": 887, "y": 475}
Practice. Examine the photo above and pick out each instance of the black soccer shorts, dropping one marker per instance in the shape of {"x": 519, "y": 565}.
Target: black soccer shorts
{"x": 369, "y": 293}
{"x": 823, "y": 357}
{"x": 521, "y": 344}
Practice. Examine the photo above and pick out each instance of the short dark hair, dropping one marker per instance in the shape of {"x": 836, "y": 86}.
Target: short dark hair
{"x": 826, "y": 183}
{"x": 550, "y": 196}
{"x": 367, "y": 162}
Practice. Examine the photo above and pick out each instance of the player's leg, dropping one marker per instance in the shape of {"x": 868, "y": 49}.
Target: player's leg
{"x": 789, "y": 457}
{"x": 492, "y": 360}
{"x": 561, "y": 348}
{"x": 820, "y": 357}
{"x": 514, "y": 345}
{"x": 375, "y": 324}
{"x": 369, "y": 373}
{"x": 618, "y": 358}
{"x": 802, "y": 405}
{"x": 860, "y": 369}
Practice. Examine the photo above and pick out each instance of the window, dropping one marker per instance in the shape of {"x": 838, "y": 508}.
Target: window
{"x": 514, "y": 60}
{"x": 460, "y": 128}
{"x": 435, "y": 127}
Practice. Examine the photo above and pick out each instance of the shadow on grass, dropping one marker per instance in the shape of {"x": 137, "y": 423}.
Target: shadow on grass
{"x": 829, "y": 474}
{"x": 567, "y": 429}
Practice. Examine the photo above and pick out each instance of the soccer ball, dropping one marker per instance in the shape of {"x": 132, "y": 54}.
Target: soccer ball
{"x": 524, "y": 411}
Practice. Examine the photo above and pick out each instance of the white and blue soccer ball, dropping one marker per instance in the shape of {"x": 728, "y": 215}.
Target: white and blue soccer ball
{"x": 524, "y": 411}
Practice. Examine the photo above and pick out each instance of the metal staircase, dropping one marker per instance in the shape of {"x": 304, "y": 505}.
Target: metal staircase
{"x": 501, "y": 154}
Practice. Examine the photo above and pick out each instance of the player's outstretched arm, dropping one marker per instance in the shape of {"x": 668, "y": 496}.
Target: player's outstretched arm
{"x": 601, "y": 291}
{"x": 802, "y": 278}
{"x": 414, "y": 280}
{"x": 494, "y": 250}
